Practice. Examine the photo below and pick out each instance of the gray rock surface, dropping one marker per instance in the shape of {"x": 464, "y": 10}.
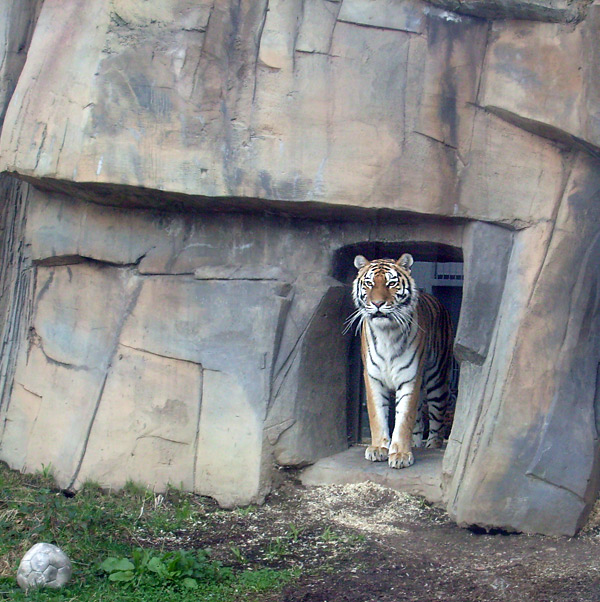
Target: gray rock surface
{"x": 535, "y": 10}
{"x": 187, "y": 183}
{"x": 423, "y": 478}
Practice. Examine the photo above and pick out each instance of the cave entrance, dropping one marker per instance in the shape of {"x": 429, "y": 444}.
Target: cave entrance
{"x": 438, "y": 269}
{"x": 444, "y": 280}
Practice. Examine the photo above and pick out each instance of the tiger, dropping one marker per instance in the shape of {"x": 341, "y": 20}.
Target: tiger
{"x": 406, "y": 350}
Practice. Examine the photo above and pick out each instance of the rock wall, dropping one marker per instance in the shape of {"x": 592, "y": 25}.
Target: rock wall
{"x": 138, "y": 95}
{"x": 190, "y": 172}
{"x": 180, "y": 348}
{"x": 530, "y": 433}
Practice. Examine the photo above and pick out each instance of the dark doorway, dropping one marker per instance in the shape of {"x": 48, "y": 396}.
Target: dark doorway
{"x": 437, "y": 270}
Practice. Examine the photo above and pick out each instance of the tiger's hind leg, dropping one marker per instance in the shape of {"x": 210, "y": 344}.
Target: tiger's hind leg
{"x": 437, "y": 374}
{"x": 449, "y": 417}
{"x": 419, "y": 428}
{"x": 438, "y": 395}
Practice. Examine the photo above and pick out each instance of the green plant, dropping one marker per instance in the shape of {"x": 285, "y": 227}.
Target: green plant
{"x": 238, "y": 554}
{"x": 329, "y": 535}
{"x": 266, "y": 579}
{"x": 294, "y": 532}
{"x": 176, "y": 568}
{"x": 119, "y": 569}
{"x": 245, "y": 511}
{"x": 356, "y": 538}
{"x": 276, "y": 548}
{"x": 97, "y": 524}
{"x": 47, "y": 470}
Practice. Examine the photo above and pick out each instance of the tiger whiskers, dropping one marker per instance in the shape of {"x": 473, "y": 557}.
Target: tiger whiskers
{"x": 405, "y": 322}
{"x": 401, "y": 320}
{"x": 412, "y": 321}
{"x": 358, "y": 316}
{"x": 355, "y": 315}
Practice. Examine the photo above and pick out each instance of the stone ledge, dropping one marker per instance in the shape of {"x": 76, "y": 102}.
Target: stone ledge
{"x": 553, "y": 11}
{"x": 423, "y": 478}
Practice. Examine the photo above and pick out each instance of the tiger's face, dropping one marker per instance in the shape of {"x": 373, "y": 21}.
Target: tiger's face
{"x": 384, "y": 291}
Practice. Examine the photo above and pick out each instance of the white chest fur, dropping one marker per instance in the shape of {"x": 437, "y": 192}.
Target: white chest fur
{"x": 391, "y": 354}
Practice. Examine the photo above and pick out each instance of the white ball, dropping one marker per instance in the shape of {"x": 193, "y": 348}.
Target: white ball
{"x": 44, "y": 565}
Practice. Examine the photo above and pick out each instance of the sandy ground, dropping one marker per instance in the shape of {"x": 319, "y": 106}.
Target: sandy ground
{"x": 366, "y": 543}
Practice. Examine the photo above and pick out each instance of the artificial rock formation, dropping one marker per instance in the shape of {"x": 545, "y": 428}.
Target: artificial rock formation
{"x": 187, "y": 182}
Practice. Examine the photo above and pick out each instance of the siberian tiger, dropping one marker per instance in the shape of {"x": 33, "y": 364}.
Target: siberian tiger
{"x": 406, "y": 347}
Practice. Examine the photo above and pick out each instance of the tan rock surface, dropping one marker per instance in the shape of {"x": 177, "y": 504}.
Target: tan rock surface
{"x": 147, "y": 421}
{"x": 140, "y": 95}
{"x": 535, "y": 375}
{"x": 17, "y": 22}
{"x": 543, "y": 77}
{"x": 535, "y": 10}
{"x": 199, "y": 347}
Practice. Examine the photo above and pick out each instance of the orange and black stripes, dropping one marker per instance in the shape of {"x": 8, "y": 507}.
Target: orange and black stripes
{"x": 406, "y": 343}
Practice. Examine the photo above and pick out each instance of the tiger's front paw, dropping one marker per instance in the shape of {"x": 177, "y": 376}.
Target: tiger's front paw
{"x": 376, "y": 454}
{"x": 401, "y": 460}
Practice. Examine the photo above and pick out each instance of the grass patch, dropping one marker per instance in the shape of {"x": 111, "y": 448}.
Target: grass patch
{"x": 119, "y": 544}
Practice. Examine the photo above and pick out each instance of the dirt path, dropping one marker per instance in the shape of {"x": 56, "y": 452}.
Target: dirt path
{"x": 364, "y": 543}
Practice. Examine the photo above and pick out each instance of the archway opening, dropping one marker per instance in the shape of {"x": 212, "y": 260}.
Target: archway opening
{"x": 438, "y": 269}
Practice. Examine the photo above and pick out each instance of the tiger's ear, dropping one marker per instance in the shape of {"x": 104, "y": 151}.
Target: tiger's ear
{"x": 360, "y": 262}
{"x": 405, "y": 261}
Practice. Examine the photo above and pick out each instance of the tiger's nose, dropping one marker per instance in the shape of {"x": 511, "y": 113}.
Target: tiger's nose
{"x": 378, "y": 304}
